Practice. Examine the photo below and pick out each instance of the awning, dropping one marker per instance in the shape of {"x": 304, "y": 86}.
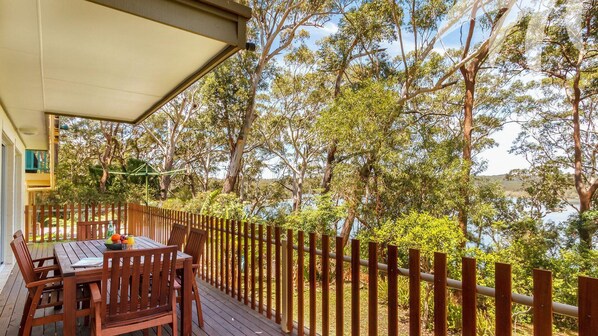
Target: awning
{"x": 117, "y": 60}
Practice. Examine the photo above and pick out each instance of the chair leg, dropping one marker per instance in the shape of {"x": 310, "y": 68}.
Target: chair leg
{"x": 198, "y": 305}
{"x": 26, "y": 329}
{"x": 175, "y": 324}
{"x": 25, "y": 314}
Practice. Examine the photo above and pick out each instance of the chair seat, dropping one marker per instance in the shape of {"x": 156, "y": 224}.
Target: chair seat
{"x": 53, "y": 296}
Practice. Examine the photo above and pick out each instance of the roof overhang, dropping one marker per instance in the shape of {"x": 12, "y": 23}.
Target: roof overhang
{"x": 117, "y": 60}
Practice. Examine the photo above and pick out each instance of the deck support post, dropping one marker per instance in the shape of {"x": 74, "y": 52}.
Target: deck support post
{"x": 284, "y": 290}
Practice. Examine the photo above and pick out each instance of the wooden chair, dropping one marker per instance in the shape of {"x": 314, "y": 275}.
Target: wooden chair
{"x": 19, "y": 233}
{"x": 41, "y": 268}
{"x": 194, "y": 248}
{"x": 124, "y": 304}
{"x": 178, "y": 233}
{"x": 95, "y": 229}
{"x": 43, "y": 292}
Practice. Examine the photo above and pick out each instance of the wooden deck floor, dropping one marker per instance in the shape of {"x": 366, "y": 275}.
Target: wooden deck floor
{"x": 222, "y": 314}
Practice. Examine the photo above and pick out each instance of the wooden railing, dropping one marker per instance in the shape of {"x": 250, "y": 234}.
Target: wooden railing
{"x": 264, "y": 268}
{"x": 46, "y": 223}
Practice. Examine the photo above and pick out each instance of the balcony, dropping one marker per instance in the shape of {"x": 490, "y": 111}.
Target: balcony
{"x": 254, "y": 278}
{"x": 38, "y": 170}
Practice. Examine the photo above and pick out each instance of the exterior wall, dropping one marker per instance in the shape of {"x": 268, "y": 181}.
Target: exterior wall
{"x": 14, "y": 186}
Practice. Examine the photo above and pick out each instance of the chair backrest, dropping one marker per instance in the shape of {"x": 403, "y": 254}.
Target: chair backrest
{"x": 195, "y": 244}
{"x": 23, "y": 257}
{"x": 137, "y": 283}
{"x": 178, "y": 233}
{"x": 19, "y": 233}
{"x": 95, "y": 229}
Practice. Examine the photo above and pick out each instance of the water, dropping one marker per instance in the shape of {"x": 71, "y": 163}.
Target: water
{"x": 561, "y": 216}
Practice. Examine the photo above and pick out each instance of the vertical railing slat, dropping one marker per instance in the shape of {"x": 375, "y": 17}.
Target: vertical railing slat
{"x": 414, "y": 293}
{"x": 50, "y": 222}
{"x": 340, "y": 287}
{"x": 269, "y": 271}
{"x": 393, "y": 300}
{"x": 372, "y": 289}
{"x": 469, "y": 296}
{"x": 64, "y": 210}
{"x": 587, "y": 302}
{"x": 312, "y": 283}
{"x": 239, "y": 260}
{"x": 277, "y": 275}
{"x": 503, "y": 299}
{"x": 260, "y": 275}
{"x": 42, "y": 216}
{"x": 245, "y": 263}
{"x": 253, "y": 268}
{"x": 300, "y": 283}
{"x": 289, "y": 277}
{"x": 325, "y": 285}
{"x": 221, "y": 238}
{"x": 27, "y": 222}
{"x": 227, "y": 257}
{"x": 542, "y": 303}
{"x": 233, "y": 257}
{"x": 355, "y": 284}
{"x": 440, "y": 303}
{"x": 72, "y": 218}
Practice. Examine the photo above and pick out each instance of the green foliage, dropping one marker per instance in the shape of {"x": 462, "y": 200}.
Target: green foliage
{"x": 322, "y": 217}
{"x": 422, "y": 231}
{"x": 217, "y": 204}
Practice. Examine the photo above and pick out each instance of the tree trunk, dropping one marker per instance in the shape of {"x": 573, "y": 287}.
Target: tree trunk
{"x": 104, "y": 178}
{"x": 348, "y": 225}
{"x": 364, "y": 176}
{"x": 236, "y": 159}
{"x": 469, "y": 79}
{"x": 166, "y": 179}
{"x": 328, "y": 169}
{"x": 584, "y": 195}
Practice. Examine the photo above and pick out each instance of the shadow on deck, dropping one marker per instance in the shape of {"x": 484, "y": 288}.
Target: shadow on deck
{"x": 223, "y": 315}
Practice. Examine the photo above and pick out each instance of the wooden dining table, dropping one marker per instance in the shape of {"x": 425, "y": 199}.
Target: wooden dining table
{"x": 70, "y": 252}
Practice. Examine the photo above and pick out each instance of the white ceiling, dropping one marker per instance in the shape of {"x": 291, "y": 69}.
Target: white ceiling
{"x": 73, "y": 57}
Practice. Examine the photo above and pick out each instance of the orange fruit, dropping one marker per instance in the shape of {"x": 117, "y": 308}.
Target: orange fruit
{"x": 115, "y": 238}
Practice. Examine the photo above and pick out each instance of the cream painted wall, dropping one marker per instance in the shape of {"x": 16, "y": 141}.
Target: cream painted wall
{"x": 15, "y": 183}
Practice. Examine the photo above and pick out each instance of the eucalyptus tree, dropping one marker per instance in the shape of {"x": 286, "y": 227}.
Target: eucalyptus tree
{"x": 369, "y": 128}
{"x": 275, "y": 26}
{"x": 167, "y": 129}
{"x": 110, "y": 131}
{"x": 287, "y": 132}
{"x": 489, "y": 17}
{"x": 361, "y": 32}
{"x": 560, "y": 135}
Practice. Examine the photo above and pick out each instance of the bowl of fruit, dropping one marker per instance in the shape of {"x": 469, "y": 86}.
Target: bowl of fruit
{"x": 116, "y": 242}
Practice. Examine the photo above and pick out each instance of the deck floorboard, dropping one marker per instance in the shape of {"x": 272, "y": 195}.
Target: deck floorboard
{"x": 223, "y": 315}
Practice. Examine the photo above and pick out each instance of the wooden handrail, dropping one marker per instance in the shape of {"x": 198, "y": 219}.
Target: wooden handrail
{"x": 234, "y": 251}
{"x": 558, "y": 308}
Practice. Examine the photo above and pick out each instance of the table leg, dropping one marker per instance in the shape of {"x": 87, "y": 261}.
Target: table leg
{"x": 70, "y": 305}
{"x": 186, "y": 310}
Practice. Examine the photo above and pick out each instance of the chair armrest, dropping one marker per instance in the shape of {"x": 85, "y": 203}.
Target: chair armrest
{"x": 96, "y": 297}
{"x": 44, "y": 282}
{"x": 43, "y": 259}
{"x": 45, "y": 268}
{"x": 40, "y": 261}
